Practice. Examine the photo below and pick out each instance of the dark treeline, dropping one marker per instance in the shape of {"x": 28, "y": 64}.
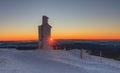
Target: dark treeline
{"x": 19, "y": 45}
{"x": 110, "y": 51}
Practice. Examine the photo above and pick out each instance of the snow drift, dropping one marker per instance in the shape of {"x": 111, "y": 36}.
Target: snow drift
{"x": 54, "y": 61}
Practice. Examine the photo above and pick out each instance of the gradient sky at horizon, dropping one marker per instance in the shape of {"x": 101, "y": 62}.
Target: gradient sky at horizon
{"x": 70, "y": 19}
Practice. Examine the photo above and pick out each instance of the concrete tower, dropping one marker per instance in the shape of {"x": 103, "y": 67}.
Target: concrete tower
{"x": 44, "y": 34}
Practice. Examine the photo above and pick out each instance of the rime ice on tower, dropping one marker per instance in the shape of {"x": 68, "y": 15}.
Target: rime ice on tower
{"x": 44, "y": 34}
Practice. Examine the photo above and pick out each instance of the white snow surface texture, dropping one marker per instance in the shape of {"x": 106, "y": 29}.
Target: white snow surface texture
{"x": 54, "y": 61}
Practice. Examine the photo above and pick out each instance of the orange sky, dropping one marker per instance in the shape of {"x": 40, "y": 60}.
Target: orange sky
{"x": 59, "y": 36}
{"x": 70, "y": 19}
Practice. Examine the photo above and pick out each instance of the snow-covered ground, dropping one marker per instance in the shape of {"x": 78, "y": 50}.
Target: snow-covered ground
{"x": 54, "y": 61}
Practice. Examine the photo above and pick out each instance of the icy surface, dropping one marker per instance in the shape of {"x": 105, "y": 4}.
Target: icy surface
{"x": 54, "y": 61}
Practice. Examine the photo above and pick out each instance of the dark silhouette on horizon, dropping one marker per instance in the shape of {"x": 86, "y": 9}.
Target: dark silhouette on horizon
{"x": 44, "y": 34}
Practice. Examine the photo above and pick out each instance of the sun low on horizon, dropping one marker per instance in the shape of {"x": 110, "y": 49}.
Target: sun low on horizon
{"x": 70, "y": 19}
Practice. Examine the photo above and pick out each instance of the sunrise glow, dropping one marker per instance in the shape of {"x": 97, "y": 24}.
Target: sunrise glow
{"x": 70, "y": 19}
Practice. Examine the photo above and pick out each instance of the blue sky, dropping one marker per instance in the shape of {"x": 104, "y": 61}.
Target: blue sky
{"x": 81, "y": 18}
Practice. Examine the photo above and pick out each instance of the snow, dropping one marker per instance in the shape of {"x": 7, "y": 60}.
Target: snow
{"x": 54, "y": 61}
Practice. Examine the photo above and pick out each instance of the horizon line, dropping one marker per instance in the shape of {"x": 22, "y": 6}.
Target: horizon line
{"x": 60, "y": 39}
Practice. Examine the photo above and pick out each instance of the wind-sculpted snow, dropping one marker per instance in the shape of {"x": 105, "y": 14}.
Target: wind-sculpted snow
{"x": 54, "y": 61}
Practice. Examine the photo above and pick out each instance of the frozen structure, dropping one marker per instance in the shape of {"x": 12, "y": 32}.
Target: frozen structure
{"x": 44, "y": 31}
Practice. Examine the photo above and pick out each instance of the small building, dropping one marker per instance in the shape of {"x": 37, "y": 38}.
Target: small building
{"x": 44, "y": 31}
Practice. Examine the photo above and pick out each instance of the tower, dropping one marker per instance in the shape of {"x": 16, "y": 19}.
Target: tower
{"x": 44, "y": 31}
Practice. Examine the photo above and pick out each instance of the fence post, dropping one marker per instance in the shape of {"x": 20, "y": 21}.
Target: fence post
{"x": 81, "y": 53}
{"x": 101, "y": 56}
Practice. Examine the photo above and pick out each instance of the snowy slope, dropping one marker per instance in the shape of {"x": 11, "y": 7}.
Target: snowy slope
{"x": 54, "y": 61}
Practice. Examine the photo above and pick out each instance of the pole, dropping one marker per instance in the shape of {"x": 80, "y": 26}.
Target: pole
{"x": 81, "y": 53}
{"x": 101, "y": 56}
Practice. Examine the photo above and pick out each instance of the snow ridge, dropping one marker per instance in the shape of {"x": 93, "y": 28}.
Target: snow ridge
{"x": 54, "y": 61}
